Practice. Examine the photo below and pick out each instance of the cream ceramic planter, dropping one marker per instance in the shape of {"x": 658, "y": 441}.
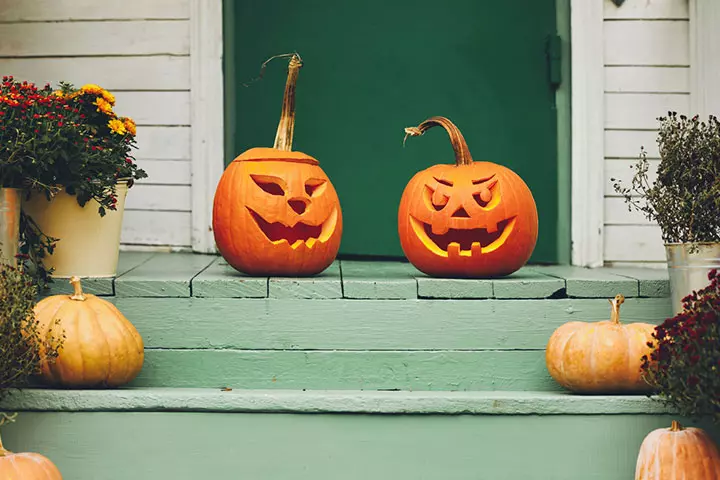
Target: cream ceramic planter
{"x": 88, "y": 244}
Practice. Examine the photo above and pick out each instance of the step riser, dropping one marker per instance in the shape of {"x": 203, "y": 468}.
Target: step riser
{"x": 479, "y": 370}
{"x": 259, "y": 324}
{"x": 122, "y": 445}
{"x": 370, "y": 344}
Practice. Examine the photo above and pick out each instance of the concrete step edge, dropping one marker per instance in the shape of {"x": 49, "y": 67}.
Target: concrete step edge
{"x": 337, "y": 401}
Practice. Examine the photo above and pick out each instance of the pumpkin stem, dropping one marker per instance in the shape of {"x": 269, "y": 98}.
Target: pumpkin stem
{"x": 675, "y": 426}
{"x": 616, "y": 302}
{"x": 462, "y": 152}
{"x": 286, "y": 127}
{"x": 5, "y": 418}
{"x": 77, "y": 289}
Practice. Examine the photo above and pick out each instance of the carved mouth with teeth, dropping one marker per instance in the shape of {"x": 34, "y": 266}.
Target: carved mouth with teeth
{"x": 299, "y": 234}
{"x": 464, "y": 242}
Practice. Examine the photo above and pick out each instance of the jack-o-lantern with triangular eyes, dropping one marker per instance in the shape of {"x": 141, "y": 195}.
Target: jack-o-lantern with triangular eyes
{"x": 471, "y": 219}
{"x": 275, "y": 211}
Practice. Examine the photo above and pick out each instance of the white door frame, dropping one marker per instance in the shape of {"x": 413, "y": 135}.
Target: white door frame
{"x": 207, "y": 114}
{"x": 587, "y": 124}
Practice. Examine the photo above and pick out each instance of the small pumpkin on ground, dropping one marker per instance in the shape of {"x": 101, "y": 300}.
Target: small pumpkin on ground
{"x": 26, "y": 465}
{"x": 600, "y": 357}
{"x": 471, "y": 219}
{"x": 678, "y": 453}
{"x": 101, "y": 347}
{"x": 275, "y": 211}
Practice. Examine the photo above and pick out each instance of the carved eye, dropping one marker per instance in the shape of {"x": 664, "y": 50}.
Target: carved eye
{"x": 271, "y": 185}
{"x": 482, "y": 180}
{"x": 315, "y": 186}
{"x": 443, "y": 182}
{"x": 485, "y": 195}
{"x": 435, "y": 199}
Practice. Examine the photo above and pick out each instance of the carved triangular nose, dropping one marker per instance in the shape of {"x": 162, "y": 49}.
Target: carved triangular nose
{"x": 461, "y": 213}
{"x": 298, "y": 205}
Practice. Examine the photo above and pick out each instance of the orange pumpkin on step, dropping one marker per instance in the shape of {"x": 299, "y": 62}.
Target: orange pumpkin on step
{"x": 600, "y": 357}
{"x": 26, "y": 466}
{"x": 471, "y": 219}
{"x": 275, "y": 211}
{"x": 677, "y": 453}
{"x": 101, "y": 347}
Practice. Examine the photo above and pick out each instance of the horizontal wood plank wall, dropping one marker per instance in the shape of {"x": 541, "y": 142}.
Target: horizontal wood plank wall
{"x": 139, "y": 50}
{"x": 647, "y": 63}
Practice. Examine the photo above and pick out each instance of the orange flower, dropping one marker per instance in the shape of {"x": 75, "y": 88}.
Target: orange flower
{"x": 130, "y": 125}
{"x": 103, "y": 106}
{"x": 117, "y": 126}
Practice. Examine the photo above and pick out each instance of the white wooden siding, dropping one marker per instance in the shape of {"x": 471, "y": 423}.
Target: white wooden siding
{"x": 647, "y": 61}
{"x": 139, "y": 50}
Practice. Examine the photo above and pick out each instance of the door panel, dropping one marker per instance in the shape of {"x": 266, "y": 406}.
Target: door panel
{"x": 372, "y": 68}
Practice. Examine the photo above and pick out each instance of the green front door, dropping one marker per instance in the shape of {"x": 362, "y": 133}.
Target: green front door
{"x": 372, "y": 68}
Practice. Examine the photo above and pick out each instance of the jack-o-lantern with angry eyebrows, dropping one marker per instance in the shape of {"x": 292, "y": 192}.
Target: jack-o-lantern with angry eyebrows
{"x": 471, "y": 219}
{"x": 275, "y": 211}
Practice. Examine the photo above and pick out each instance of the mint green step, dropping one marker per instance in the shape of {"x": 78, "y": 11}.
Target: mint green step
{"x": 188, "y": 434}
{"x": 360, "y": 325}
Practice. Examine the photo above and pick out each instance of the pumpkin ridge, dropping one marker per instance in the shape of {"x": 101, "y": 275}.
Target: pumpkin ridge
{"x": 123, "y": 332}
{"x": 108, "y": 360}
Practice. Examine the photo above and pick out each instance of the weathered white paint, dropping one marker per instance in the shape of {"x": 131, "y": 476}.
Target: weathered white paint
{"x": 164, "y": 172}
{"x": 139, "y": 50}
{"x": 155, "y": 108}
{"x": 647, "y": 73}
{"x": 587, "y": 127}
{"x": 705, "y": 56}
{"x": 651, "y": 42}
{"x": 620, "y": 169}
{"x": 55, "y": 10}
{"x": 146, "y": 227}
{"x": 171, "y": 143}
{"x": 155, "y": 73}
{"x": 647, "y": 79}
{"x": 159, "y": 197}
{"x": 635, "y": 111}
{"x": 206, "y": 74}
{"x": 647, "y": 9}
{"x": 633, "y": 243}
{"x": 627, "y": 143}
{"x": 62, "y": 39}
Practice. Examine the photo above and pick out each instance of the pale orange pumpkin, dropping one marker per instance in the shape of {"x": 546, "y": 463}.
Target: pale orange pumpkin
{"x": 26, "y": 466}
{"x": 275, "y": 211}
{"x": 600, "y": 357}
{"x": 101, "y": 347}
{"x": 678, "y": 453}
{"x": 470, "y": 219}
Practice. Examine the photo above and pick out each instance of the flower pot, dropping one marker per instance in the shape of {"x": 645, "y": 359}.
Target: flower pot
{"x": 88, "y": 244}
{"x": 10, "y": 200}
{"x": 688, "y": 270}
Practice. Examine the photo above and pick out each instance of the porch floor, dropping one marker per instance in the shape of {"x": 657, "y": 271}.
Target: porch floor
{"x": 176, "y": 275}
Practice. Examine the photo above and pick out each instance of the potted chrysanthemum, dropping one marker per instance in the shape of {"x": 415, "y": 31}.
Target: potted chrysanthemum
{"x": 83, "y": 203}
{"x": 684, "y": 199}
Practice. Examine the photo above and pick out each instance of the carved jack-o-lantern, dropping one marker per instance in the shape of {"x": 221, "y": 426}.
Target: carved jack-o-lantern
{"x": 471, "y": 219}
{"x": 275, "y": 211}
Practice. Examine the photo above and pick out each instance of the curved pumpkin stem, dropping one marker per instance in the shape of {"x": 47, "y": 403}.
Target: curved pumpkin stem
{"x": 77, "y": 289}
{"x": 462, "y": 152}
{"x": 675, "y": 426}
{"x": 616, "y": 302}
{"x": 286, "y": 127}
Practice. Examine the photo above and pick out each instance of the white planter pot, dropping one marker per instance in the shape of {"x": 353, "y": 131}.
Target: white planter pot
{"x": 89, "y": 244}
